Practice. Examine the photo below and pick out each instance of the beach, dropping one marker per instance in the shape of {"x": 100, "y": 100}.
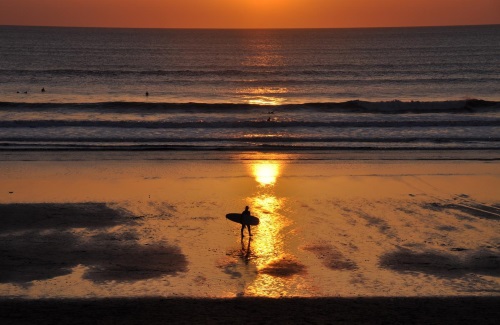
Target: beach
{"x": 410, "y": 231}
{"x": 370, "y": 157}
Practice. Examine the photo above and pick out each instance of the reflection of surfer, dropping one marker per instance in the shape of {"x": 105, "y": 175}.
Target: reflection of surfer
{"x": 246, "y": 251}
{"x": 245, "y": 216}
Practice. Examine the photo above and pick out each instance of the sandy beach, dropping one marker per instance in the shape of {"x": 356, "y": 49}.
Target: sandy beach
{"x": 401, "y": 237}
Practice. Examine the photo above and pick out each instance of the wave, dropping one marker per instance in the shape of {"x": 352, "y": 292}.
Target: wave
{"x": 268, "y": 78}
{"x": 454, "y": 68}
{"x": 367, "y": 147}
{"x": 245, "y": 124}
{"x": 357, "y": 106}
{"x": 256, "y": 140}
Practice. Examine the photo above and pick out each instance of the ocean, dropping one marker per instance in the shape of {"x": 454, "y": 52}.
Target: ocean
{"x": 354, "y": 89}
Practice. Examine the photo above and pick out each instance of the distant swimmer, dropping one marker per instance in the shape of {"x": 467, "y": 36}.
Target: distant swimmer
{"x": 25, "y": 92}
{"x": 43, "y": 90}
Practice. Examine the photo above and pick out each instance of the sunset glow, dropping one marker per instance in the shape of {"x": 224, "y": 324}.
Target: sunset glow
{"x": 249, "y": 161}
{"x": 248, "y": 13}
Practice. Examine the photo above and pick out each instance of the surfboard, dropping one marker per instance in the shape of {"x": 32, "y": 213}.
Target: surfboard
{"x": 236, "y": 217}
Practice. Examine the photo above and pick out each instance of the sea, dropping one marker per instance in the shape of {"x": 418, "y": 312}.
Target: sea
{"x": 425, "y": 88}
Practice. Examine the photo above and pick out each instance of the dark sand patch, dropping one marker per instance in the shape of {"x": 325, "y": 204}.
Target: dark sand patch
{"x": 446, "y": 228}
{"x": 442, "y": 264}
{"x": 38, "y": 256}
{"x": 376, "y": 222}
{"x": 393, "y": 310}
{"x": 379, "y": 223}
{"x": 204, "y": 218}
{"x": 331, "y": 257}
{"x": 131, "y": 262}
{"x": 37, "y": 244}
{"x": 31, "y": 216}
{"x": 478, "y": 210}
{"x": 284, "y": 267}
{"x": 232, "y": 270}
{"x": 473, "y": 210}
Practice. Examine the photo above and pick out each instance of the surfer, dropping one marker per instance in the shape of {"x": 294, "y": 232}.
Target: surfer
{"x": 245, "y": 216}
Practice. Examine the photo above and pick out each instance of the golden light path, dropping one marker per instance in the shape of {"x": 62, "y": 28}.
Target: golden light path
{"x": 264, "y": 52}
{"x": 266, "y": 173}
{"x": 271, "y": 101}
{"x": 272, "y": 96}
{"x": 268, "y": 245}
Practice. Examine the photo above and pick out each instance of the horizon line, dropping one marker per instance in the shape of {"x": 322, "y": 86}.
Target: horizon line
{"x": 250, "y": 28}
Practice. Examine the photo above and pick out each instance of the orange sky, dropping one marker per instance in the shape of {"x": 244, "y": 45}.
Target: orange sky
{"x": 248, "y": 13}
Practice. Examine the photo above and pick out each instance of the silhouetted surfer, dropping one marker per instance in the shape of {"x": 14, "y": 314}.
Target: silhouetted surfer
{"x": 43, "y": 90}
{"x": 244, "y": 217}
{"x": 147, "y": 94}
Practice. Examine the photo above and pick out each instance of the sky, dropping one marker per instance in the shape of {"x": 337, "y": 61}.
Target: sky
{"x": 248, "y": 13}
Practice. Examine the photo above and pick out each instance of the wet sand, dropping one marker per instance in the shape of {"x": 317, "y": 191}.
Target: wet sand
{"x": 341, "y": 237}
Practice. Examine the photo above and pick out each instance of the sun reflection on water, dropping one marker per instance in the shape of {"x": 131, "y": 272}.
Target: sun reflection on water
{"x": 263, "y": 55}
{"x": 264, "y": 95}
{"x": 265, "y": 100}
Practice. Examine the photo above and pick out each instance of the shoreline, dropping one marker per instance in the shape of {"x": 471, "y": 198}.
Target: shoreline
{"x": 218, "y": 154}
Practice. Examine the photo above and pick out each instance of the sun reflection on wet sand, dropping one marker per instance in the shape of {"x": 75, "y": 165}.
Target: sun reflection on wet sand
{"x": 269, "y": 242}
{"x": 266, "y": 173}
{"x": 267, "y": 247}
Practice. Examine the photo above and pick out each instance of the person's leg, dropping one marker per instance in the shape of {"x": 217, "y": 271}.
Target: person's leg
{"x": 242, "y": 228}
{"x": 249, "y": 231}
